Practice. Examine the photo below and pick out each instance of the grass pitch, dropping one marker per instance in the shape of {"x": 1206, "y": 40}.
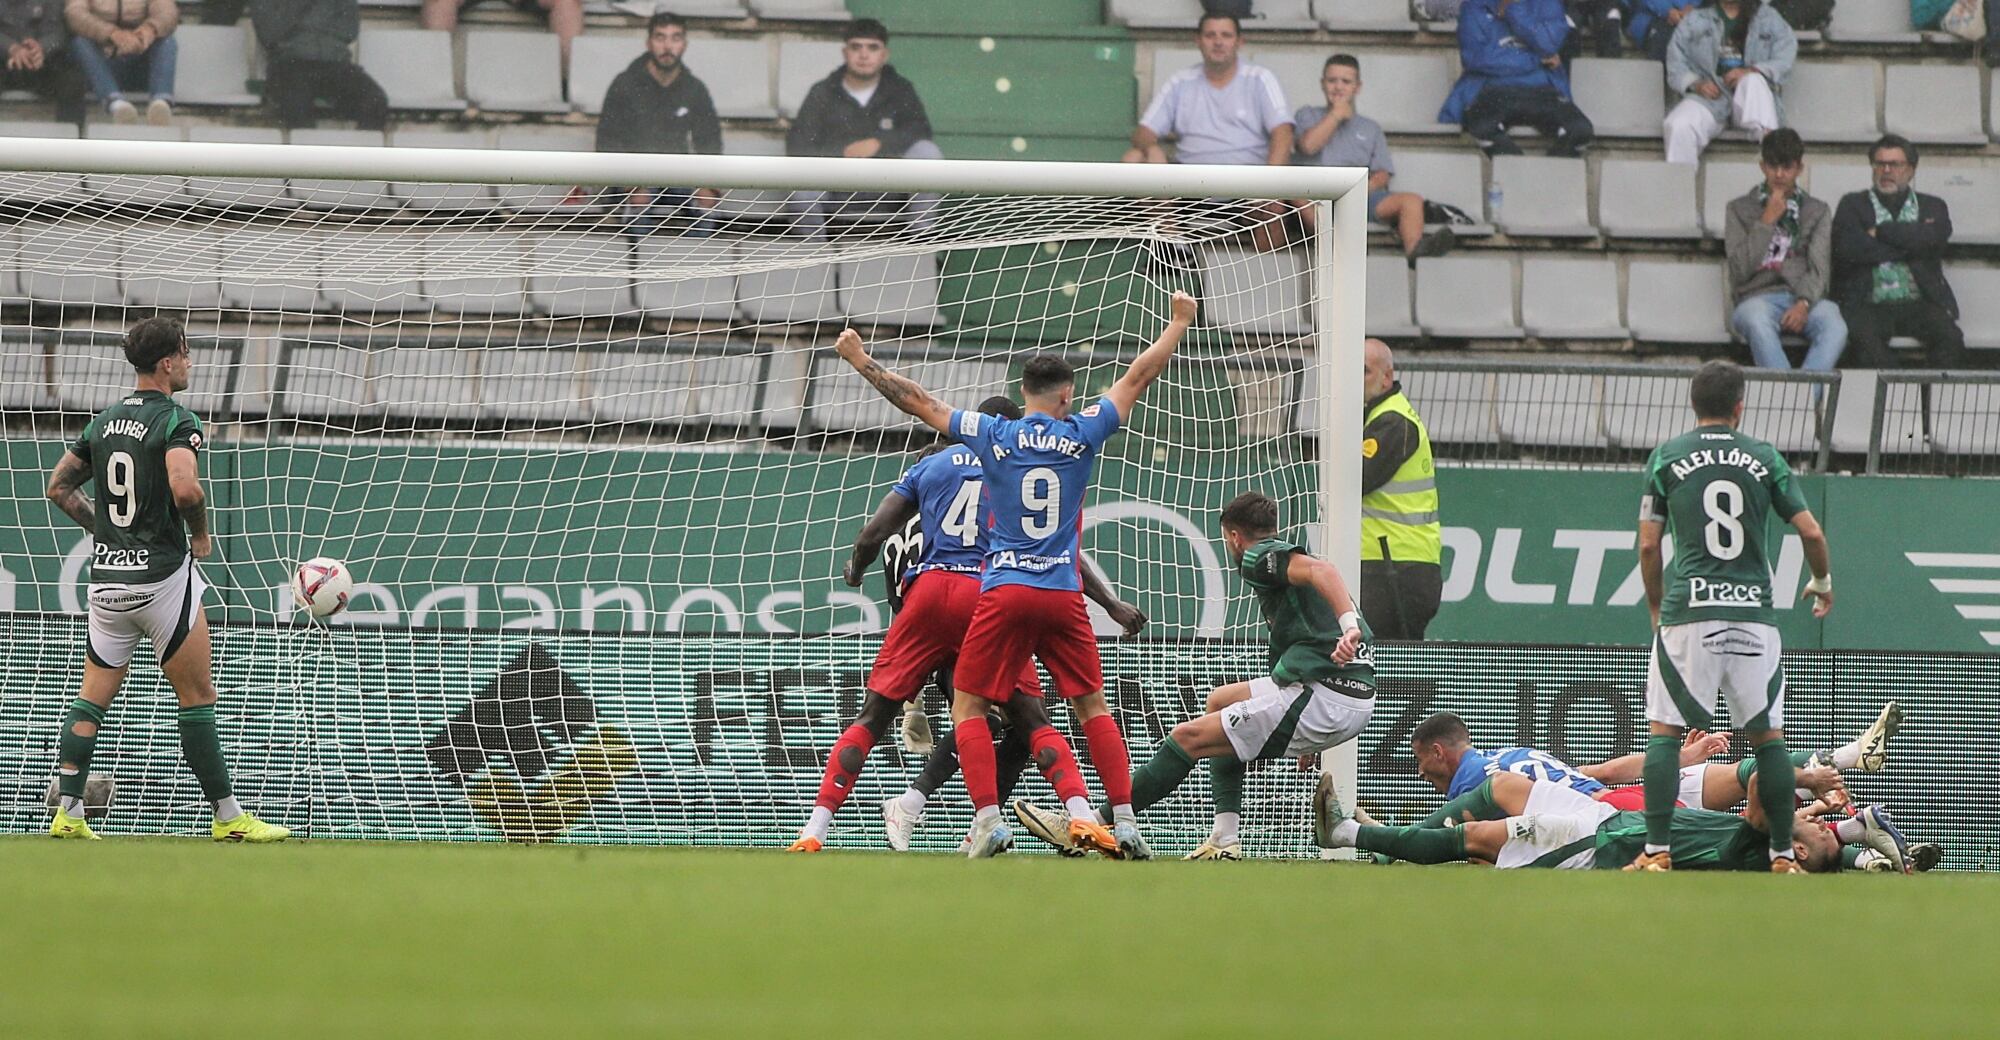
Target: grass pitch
{"x": 180, "y": 938}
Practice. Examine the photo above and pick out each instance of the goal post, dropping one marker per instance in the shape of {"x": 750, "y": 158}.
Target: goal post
{"x": 595, "y": 466}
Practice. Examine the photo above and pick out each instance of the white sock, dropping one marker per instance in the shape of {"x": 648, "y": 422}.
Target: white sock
{"x": 1124, "y": 814}
{"x": 817, "y": 823}
{"x": 1226, "y": 824}
{"x": 1345, "y": 834}
{"x": 227, "y": 809}
{"x": 913, "y": 802}
{"x": 984, "y": 811}
{"x": 1850, "y": 830}
{"x": 1652, "y": 849}
{"x": 72, "y": 806}
{"x": 1079, "y": 808}
{"x": 1776, "y": 855}
{"x": 1847, "y": 756}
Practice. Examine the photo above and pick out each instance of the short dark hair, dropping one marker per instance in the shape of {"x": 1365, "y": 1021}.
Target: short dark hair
{"x": 152, "y": 341}
{"x": 1442, "y": 728}
{"x": 1251, "y": 512}
{"x": 1894, "y": 141}
{"x": 1783, "y": 147}
{"x": 1209, "y": 16}
{"x": 866, "y": 29}
{"x": 1046, "y": 372}
{"x": 1716, "y": 390}
{"x": 665, "y": 20}
{"x": 1348, "y": 60}
{"x": 1002, "y": 406}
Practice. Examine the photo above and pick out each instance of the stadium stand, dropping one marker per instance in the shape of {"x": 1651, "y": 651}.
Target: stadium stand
{"x": 413, "y": 66}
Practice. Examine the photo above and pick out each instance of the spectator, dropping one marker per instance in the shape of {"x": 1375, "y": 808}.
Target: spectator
{"x": 306, "y": 43}
{"x": 1887, "y": 241}
{"x": 1779, "y": 241}
{"x": 1402, "y": 547}
{"x": 34, "y": 38}
{"x": 1654, "y": 22}
{"x": 121, "y": 44}
{"x": 657, "y": 105}
{"x": 1511, "y": 51}
{"x": 864, "y": 109}
{"x": 565, "y": 18}
{"x": 1728, "y": 60}
{"x": 1334, "y": 134}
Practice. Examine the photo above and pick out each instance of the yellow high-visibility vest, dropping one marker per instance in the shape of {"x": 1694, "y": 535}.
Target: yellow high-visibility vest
{"x": 1403, "y": 512}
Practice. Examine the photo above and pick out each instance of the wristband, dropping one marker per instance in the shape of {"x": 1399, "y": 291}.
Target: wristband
{"x": 1350, "y": 622}
{"x": 1821, "y": 586}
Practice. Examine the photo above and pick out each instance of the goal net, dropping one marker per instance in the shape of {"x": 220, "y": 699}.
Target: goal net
{"x": 595, "y": 468}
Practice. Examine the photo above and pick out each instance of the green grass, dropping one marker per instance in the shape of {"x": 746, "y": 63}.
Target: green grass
{"x": 160, "y": 938}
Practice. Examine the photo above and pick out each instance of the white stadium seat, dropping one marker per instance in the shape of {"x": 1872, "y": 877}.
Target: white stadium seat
{"x": 675, "y": 279}
{"x": 1672, "y": 302}
{"x": 1978, "y": 292}
{"x": 595, "y": 59}
{"x": 1828, "y": 101}
{"x": 802, "y": 10}
{"x": 425, "y": 382}
{"x": 269, "y": 269}
{"x": 1255, "y": 291}
{"x": 170, "y": 266}
{"x": 1971, "y": 191}
{"x": 24, "y": 374}
{"x": 1647, "y": 198}
{"x": 514, "y": 71}
{"x": 1467, "y": 296}
{"x": 1455, "y": 178}
{"x": 1834, "y": 178}
{"x": 738, "y": 74}
{"x": 1154, "y": 14}
{"x": 716, "y": 386}
{"x": 391, "y": 284}
{"x": 502, "y": 258}
{"x": 802, "y": 63}
{"x": 1723, "y": 181}
{"x": 1364, "y": 15}
{"x": 596, "y": 276}
{"x": 1403, "y": 92}
{"x": 1782, "y": 414}
{"x": 1549, "y": 410}
{"x": 1457, "y": 406}
{"x": 1622, "y": 97}
{"x": 1543, "y": 196}
{"x": 1570, "y": 299}
{"x": 213, "y": 66}
{"x": 322, "y": 381}
{"x": 1388, "y": 301}
{"x": 69, "y": 262}
{"x": 1934, "y": 104}
{"x": 1640, "y": 412}
{"x": 891, "y": 290}
{"x": 1872, "y": 21}
{"x": 90, "y": 375}
{"x": 1279, "y": 16}
{"x": 1965, "y": 418}
{"x": 531, "y": 384}
{"x": 413, "y": 66}
{"x": 775, "y": 288}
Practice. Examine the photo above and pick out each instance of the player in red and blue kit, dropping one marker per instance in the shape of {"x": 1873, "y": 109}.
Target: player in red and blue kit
{"x": 1031, "y": 601}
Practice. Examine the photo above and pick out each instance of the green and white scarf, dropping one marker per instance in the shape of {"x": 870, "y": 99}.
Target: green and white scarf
{"x": 1894, "y": 282}
{"x": 1785, "y": 232}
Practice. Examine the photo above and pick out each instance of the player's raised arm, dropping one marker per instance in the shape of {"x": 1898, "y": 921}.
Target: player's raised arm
{"x": 1324, "y": 578}
{"x": 901, "y": 391}
{"x": 894, "y": 512}
{"x": 1153, "y": 360}
{"x": 1123, "y": 614}
{"x": 185, "y": 484}
{"x": 66, "y": 490}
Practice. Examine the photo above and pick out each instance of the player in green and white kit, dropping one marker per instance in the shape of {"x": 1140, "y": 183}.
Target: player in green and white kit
{"x": 1319, "y": 694}
{"x": 1714, "y": 489}
{"x": 143, "y": 454}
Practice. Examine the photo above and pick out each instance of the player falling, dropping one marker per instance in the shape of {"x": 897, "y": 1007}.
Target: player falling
{"x": 1714, "y": 489}
{"x": 1319, "y": 694}
{"x": 144, "y": 455}
{"x": 938, "y": 594}
{"x": 1031, "y": 602}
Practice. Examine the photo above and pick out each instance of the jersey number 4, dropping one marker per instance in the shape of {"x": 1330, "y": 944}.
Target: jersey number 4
{"x": 961, "y": 520}
{"x": 118, "y": 489}
{"x": 1723, "y": 501}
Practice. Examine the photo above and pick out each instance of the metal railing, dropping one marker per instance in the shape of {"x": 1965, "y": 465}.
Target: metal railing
{"x": 1936, "y": 423}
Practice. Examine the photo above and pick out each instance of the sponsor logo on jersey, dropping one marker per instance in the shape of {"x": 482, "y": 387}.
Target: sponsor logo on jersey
{"x": 1347, "y": 685}
{"x": 1707, "y": 592}
{"x": 1734, "y": 642}
{"x": 968, "y": 424}
{"x": 125, "y": 428}
{"x": 1008, "y": 559}
{"x": 194, "y": 441}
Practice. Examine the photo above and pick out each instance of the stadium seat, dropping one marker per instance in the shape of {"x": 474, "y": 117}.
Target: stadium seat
{"x": 1623, "y": 98}
{"x": 596, "y": 278}
{"x": 1965, "y": 418}
{"x": 1247, "y": 290}
{"x": 529, "y": 137}
{"x": 1970, "y": 191}
{"x": 1169, "y": 60}
{"x": 1934, "y": 104}
{"x": 390, "y": 284}
{"x": 413, "y": 67}
{"x": 838, "y": 401}
{"x": 269, "y": 269}
{"x": 1467, "y": 296}
{"x": 720, "y": 10}
{"x": 1388, "y": 299}
{"x": 802, "y": 10}
{"x": 69, "y": 262}
{"x": 322, "y": 381}
{"x": 675, "y": 279}
{"x": 1782, "y": 414}
{"x": 1641, "y": 412}
{"x": 250, "y": 192}
{"x": 802, "y": 63}
{"x": 1154, "y": 14}
{"x": 500, "y": 256}
{"x": 329, "y": 194}
{"x": 1978, "y": 292}
{"x": 1276, "y": 16}
{"x": 595, "y": 59}
{"x": 1549, "y": 410}
{"x": 1832, "y": 102}
{"x": 91, "y": 374}
{"x": 1543, "y": 196}
{"x": 423, "y": 195}
{"x": 137, "y": 189}
{"x": 774, "y": 288}
{"x": 739, "y": 203}
{"x": 890, "y": 290}
{"x": 24, "y": 374}
{"x": 1833, "y": 179}
{"x": 170, "y": 266}
{"x": 531, "y": 384}
{"x": 1570, "y": 299}
{"x": 738, "y": 74}
{"x": 425, "y": 382}
{"x": 514, "y": 71}
{"x": 715, "y": 385}
{"x": 1457, "y": 406}
{"x": 1364, "y": 15}
{"x": 1882, "y": 21}
{"x": 1403, "y": 92}
{"x": 1854, "y": 411}
{"x": 213, "y": 67}
{"x": 1647, "y": 198}
{"x": 1670, "y": 302}
{"x": 1455, "y": 178}
{"x": 1903, "y": 426}
{"x": 1723, "y": 181}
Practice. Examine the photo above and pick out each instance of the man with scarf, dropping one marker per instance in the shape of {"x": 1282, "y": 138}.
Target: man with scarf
{"x": 1779, "y": 241}
{"x": 1887, "y": 245}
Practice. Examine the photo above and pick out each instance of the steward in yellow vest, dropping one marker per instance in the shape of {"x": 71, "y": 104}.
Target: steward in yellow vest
{"x": 1401, "y": 551}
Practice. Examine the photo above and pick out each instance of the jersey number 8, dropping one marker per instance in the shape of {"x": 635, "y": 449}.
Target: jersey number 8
{"x": 1041, "y": 500}
{"x": 1724, "y": 531}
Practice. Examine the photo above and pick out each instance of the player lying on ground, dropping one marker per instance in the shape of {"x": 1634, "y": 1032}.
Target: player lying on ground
{"x": 1551, "y": 825}
{"x": 1319, "y": 694}
{"x": 143, "y": 453}
{"x": 1036, "y": 470}
{"x": 937, "y": 602}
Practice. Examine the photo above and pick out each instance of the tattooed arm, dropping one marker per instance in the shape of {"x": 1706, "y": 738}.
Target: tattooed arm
{"x": 66, "y": 491}
{"x": 901, "y": 391}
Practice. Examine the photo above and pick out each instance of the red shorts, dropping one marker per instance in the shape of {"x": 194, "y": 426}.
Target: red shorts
{"x": 927, "y": 633}
{"x": 1013, "y": 625}
{"x": 1627, "y": 799}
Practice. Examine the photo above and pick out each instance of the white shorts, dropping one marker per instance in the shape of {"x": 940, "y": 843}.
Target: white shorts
{"x": 1287, "y": 721}
{"x": 1691, "y": 784}
{"x": 1557, "y": 829}
{"x": 1694, "y": 662}
{"x": 161, "y": 611}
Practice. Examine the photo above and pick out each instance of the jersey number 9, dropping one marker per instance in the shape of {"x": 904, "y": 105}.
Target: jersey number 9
{"x": 118, "y": 489}
{"x": 1041, "y": 500}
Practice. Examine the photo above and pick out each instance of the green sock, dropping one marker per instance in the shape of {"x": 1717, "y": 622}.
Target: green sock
{"x": 1850, "y": 857}
{"x": 1799, "y": 759}
{"x": 1743, "y": 771}
{"x": 1476, "y": 804}
{"x": 203, "y": 751}
{"x": 1662, "y": 774}
{"x": 75, "y": 750}
{"x": 1774, "y": 792}
{"x": 1416, "y": 844}
{"x": 1225, "y": 783}
{"x": 1160, "y": 775}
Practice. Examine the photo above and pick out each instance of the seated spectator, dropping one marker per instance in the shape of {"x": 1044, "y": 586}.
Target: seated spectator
{"x": 124, "y": 45}
{"x": 864, "y": 109}
{"x": 1334, "y": 134}
{"x": 1887, "y": 275}
{"x": 1727, "y": 60}
{"x": 1779, "y": 241}
{"x": 307, "y": 61}
{"x": 1513, "y": 75}
{"x": 657, "y": 105}
{"x": 565, "y": 18}
{"x": 36, "y": 43}
{"x": 1654, "y": 22}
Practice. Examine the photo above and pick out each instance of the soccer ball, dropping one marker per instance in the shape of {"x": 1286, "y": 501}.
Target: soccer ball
{"x": 321, "y": 585}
